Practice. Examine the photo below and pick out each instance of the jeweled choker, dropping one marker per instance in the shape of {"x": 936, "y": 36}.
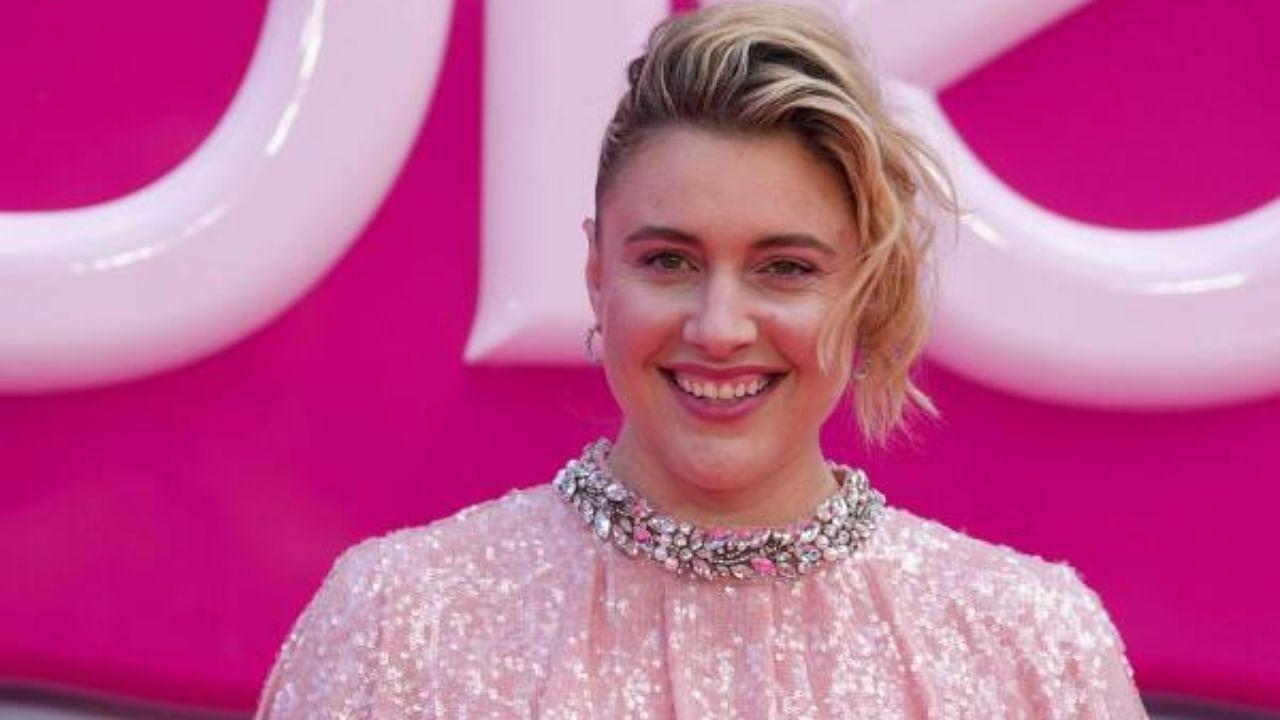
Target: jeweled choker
{"x": 840, "y": 525}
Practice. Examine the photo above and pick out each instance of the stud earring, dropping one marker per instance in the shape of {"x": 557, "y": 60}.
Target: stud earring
{"x": 863, "y": 371}
{"x": 864, "y": 368}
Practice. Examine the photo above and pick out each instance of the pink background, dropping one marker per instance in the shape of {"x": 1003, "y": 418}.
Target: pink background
{"x": 159, "y": 537}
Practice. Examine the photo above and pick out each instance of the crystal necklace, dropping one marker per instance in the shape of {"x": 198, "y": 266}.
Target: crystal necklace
{"x": 840, "y": 525}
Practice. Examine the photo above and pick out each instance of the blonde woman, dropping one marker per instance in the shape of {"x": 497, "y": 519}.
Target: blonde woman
{"x": 756, "y": 251}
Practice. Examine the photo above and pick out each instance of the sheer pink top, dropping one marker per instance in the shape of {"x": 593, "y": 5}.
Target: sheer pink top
{"x": 514, "y": 609}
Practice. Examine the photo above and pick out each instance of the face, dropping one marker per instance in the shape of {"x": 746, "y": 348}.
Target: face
{"x": 716, "y": 260}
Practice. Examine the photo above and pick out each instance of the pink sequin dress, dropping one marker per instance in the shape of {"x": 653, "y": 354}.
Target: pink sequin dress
{"x": 515, "y": 609}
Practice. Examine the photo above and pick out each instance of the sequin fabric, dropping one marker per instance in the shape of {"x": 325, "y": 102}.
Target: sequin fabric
{"x": 514, "y": 609}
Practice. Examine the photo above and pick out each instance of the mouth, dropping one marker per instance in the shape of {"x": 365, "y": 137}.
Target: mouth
{"x": 722, "y": 393}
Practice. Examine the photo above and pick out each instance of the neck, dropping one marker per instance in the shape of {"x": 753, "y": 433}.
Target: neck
{"x": 772, "y": 495}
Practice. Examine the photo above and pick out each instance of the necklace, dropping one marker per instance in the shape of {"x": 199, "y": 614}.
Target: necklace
{"x": 840, "y": 525}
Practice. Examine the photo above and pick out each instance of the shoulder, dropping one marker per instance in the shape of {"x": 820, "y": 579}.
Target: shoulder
{"x": 505, "y": 550}
{"x": 1028, "y": 617}
{"x": 914, "y": 547}
{"x": 510, "y": 539}
{"x": 503, "y": 535}
{"x": 443, "y": 541}
{"x": 982, "y": 578}
{"x": 389, "y": 602}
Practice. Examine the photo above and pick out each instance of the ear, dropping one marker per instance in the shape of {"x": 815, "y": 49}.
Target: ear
{"x": 594, "y": 269}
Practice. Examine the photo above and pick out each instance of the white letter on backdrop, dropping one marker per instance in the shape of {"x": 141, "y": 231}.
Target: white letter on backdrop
{"x": 229, "y": 239}
{"x": 1031, "y": 302}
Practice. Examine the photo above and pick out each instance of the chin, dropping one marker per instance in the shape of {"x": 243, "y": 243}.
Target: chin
{"x": 715, "y": 461}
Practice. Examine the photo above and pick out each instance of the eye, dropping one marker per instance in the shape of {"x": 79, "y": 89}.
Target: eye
{"x": 788, "y": 268}
{"x": 666, "y": 261}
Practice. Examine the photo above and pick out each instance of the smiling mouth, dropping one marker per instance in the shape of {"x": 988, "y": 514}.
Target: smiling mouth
{"x": 722, "y": 393}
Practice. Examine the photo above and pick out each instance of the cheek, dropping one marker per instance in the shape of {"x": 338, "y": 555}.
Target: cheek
{"x": 794, "y": 331}
{"x": 638, "y": 322}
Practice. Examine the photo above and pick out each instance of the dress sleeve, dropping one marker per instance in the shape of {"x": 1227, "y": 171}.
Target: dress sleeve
{"x": 330, "y": 663}
{"x": 1097, "y": 680}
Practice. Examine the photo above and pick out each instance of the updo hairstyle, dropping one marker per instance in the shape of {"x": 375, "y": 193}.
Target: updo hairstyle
{"x": 759, "y": 69}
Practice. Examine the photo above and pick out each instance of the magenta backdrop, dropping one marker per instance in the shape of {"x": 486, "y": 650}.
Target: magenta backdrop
{"x": 159, "y": 537}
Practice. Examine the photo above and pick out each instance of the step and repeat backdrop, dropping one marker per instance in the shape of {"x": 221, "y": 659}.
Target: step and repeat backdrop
{"x": 277, "y": 276}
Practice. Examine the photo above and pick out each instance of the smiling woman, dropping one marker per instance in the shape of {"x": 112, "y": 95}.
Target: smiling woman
{"x": 758, "y": 245}
{"x": 717, "y": 260}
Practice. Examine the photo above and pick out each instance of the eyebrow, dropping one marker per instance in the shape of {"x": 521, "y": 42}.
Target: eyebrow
{"x": 779, "y": 240}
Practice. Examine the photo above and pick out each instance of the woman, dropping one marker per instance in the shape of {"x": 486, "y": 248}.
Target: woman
{"x": 757, "y": 247}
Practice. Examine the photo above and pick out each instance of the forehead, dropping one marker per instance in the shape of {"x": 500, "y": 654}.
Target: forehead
{"x": 728, "y": 186}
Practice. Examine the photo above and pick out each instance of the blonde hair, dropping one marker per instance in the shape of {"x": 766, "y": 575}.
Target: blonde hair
{"x": 759, "y": 68}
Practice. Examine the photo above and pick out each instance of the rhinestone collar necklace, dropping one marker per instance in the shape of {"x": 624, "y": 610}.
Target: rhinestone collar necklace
{"x": 840, "y": 525}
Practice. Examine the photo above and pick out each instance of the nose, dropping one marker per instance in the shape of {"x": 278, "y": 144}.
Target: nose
{"x": 723, "y": 322}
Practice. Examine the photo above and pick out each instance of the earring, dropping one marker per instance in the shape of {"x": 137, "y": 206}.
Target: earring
{"x": 864, "y": 369}
{"x": 589, "y": 343}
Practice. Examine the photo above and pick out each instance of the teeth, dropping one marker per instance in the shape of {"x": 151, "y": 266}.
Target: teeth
{"x": 721, "y": 391}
